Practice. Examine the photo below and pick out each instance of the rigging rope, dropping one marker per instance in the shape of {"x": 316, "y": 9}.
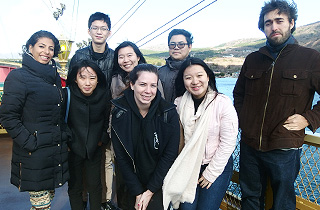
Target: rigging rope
{"x": 75, "y": 29}
{"x": 126, "y": 20}
{"x": 178, "y": 23}
{"x": 170, "y": 21}
{"x": 126, "y": 13}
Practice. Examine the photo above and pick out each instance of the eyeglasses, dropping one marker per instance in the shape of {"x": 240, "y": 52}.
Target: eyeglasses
{"x": 95, "y": 28}
{"x": 180, "y": 45}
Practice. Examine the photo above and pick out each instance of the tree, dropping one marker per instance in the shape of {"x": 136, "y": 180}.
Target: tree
{"x": 83, "y": 44}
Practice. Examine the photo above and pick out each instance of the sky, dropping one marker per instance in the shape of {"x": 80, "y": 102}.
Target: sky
{"x": 220, "y": 22}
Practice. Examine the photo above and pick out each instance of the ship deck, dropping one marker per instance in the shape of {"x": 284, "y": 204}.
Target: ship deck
{"x": 10, "y": 197}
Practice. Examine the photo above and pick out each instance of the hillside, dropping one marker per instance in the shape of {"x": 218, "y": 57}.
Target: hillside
{"x": 228, "y": 57}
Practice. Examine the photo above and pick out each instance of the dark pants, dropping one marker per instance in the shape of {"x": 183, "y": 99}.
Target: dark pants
{"x": 121, "y": 189}
{"x": 210, "y": 199}
{"x": 92, "y": 170}
{"x": 281, "y": 166}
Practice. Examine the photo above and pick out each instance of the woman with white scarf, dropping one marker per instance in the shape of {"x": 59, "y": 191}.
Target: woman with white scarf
{"x": 200, "y": 175}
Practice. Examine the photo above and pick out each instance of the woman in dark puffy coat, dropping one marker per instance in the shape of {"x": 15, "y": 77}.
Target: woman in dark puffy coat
{"x": 88, "y": 120}
{"x": 31, "y": 114}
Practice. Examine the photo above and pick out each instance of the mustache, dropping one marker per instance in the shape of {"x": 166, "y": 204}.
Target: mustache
{"x": 275, "y": 32}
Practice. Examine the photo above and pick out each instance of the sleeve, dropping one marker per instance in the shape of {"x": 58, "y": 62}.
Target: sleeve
{"x": 169, "y": 154}
{"x": 313, "y": 115}
{"x": 11, "y": 110}
{"x": 66, "y": 132}
{"x": 105, "y": 135}
{"x": 239, "y": 90}
{"x": 227, "y": 141}
{"x": 73, "y": 61}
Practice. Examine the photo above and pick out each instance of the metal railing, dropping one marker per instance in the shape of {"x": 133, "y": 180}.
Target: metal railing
{"x": 307, "y": 184}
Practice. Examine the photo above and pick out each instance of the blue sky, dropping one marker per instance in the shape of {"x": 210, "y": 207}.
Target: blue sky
{"x": 223, "y": 21}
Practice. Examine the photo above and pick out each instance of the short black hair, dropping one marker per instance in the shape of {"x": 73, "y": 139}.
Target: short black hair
{"x": 86, "y": 63}
{"x": 40, "y": 34}
{"x": 283, "y": 7}
{"x": 179, "y": 83}
{"x": 99, "y": 16}
{"x": 183, "y": 32}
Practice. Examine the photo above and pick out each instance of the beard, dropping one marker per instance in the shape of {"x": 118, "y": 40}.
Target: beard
{"x": 276, "y": 41}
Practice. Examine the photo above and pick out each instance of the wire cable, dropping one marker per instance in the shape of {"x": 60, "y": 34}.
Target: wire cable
{"x": 170, "y": 21}
{"x": 126, "y": 20}
{"x": 178, "y": 23}
{"x": 126, "y": 13}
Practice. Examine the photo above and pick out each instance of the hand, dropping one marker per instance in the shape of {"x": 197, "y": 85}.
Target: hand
{"x": 203, "y": 182}
{"x": 296, "y": 122}
{"x": 143, "y": 200}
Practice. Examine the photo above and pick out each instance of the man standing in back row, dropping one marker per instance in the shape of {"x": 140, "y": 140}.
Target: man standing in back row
{"x": 99, "y": 29}
{"x": 273, "y": 98}
{"x": 180, "y": 44}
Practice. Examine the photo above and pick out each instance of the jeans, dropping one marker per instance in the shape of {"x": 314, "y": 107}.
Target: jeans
{"x": 92, "y": 170}
{"x": 210, "y": 199}
{"x": 281, "y": 166}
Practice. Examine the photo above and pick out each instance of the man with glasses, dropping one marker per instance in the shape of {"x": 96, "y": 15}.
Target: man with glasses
{"x": 99, "y": 26}
{"x": 180, "y": 44}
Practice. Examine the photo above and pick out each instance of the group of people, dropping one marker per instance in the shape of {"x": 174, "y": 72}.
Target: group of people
{"x": 168, "y": 132}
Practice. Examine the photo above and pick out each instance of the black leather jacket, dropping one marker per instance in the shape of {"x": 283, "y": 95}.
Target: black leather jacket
{"x": 105, "y": 63}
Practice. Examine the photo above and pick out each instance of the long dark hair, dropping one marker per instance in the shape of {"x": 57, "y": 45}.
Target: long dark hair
{"x": 86, "y": 63}
{"x": 39, "y": 34}
{"x": 179, "y": 84}
{"x": 116, "y": 67}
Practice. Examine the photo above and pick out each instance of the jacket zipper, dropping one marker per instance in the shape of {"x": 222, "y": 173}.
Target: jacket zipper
{"x": 134, "y": 167}
{"x": 20, "y": 176}
{"x": 268, "y": 94}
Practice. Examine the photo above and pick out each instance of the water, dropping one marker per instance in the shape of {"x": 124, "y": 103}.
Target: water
{"x": 226, "y": 85}
{"x": 310, "y": 160}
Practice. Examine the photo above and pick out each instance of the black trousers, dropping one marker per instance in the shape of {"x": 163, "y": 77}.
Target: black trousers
{"x": 91, "y": 170}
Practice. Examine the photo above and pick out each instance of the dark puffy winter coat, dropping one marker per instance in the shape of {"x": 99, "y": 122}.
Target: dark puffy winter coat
{"x": 31, "y": 113}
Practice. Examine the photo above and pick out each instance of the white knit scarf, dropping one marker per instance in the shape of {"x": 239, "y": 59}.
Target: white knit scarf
{"x": 181, "y": 180}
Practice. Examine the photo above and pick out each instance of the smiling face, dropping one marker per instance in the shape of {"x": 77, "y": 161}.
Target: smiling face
{"x": 43, "y": 50}
{"x": 277, "y": 27}
{"x": 145, "y": 88}
{"x": 127, "y": 58}
{"x": 196, "y": 80}
{"x": 87, "y": 80}
{"x": 176, "y": 53}
{"x": 99, "y": 32}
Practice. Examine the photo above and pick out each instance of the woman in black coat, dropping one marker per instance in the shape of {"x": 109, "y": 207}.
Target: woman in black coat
{"x": 145, "y": 135}
{"x": 88, "y": 120}
{"x": 31, "y": 114}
